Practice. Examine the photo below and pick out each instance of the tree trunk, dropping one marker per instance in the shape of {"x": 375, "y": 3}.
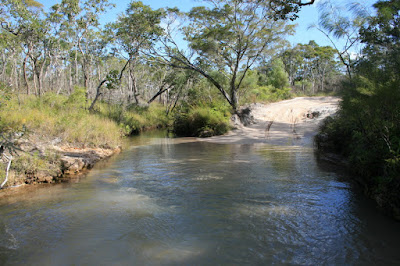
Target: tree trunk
{"x": 133, "y": 84}
{"x": 134, "y": 87}
{"x": 76, "y": 68}
{"x": 25, "y": 75}
{"x": 70, "y": 79}
{"x": 234, "y": 100}
{"x": 98, "y": 93}
{"x": 85, "y": 75}
{"x": 3, "y": 70}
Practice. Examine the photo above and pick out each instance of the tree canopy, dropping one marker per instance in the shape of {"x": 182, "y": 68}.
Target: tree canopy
{"x": 226, "y": 40}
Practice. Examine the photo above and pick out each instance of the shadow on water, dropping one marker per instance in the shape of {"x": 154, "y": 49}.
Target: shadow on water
{"x": 179, "y": 201}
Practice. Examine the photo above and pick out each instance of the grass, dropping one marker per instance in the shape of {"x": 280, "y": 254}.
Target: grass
{"x": 55, "y": 116}
{"x": 31, "y": 164}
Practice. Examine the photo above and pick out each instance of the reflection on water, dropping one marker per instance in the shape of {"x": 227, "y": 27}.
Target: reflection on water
{"x": 178, "y": 201}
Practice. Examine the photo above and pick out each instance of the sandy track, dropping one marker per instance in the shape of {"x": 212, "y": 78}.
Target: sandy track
{"x": 290, "y": 122}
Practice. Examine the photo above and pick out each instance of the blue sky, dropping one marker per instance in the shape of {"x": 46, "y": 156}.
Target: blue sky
{"x": 307, "y": 16}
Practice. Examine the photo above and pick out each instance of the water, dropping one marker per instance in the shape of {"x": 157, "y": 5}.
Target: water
{"x": 178, "y": 201}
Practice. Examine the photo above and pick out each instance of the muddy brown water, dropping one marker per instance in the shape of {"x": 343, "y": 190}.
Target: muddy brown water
{"x": 183, "y": 202}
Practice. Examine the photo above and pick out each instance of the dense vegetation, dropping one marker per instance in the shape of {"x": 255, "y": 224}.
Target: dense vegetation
{"x": 367, "y": 129}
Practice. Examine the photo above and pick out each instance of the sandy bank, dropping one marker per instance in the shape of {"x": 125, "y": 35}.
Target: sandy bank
{"x": 290, "y": 122}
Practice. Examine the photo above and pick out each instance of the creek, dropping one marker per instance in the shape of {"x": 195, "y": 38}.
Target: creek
{"x": 181, "y": 201}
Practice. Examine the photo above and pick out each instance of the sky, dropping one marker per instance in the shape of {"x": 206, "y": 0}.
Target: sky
{"x": 307, "y": 16}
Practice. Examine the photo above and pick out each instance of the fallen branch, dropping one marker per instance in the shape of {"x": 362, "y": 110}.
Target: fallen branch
{"x": 7, "y": 171}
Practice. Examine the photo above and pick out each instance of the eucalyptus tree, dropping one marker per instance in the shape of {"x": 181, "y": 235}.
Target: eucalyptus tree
{"x": 311, "y": 63}
{"x": 226, "y": 39}
{"x": 24, "y": 20}
{"x": 288, "y": 9}
{"x": 292, "y": 59}
{"x": 10, "y": 55}
{"x": 136, "y": 31}
{"x": 381, "y": 37}
{"x": 88, "y": 24}
{"x": 77, "y": 30}
{"x": 342, "y": 28}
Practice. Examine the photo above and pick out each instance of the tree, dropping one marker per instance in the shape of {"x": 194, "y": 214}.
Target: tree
{"x": 23, "y": 19}
{"x": 278, "y": 77}
{"x": 78, "y": 23}
{"x": 366, "y": 129}
{"x": 311, "y": 64}
{"x": 382, "y": 39}
{"x": 336, "y": 23}
{"x": 288, "y": 9}
{"x": 225, "y": 41}
{"x": 136, "y": 31}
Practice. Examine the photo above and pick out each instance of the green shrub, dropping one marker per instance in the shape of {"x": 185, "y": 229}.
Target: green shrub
{"x": 201, "y": 122}
{"x": 77, "y": 99}
{"x": 134, "y": 119}
{"x": 366, "y": 131}
{"x": 269, "y": 94}
{"x": 29, "y": 164}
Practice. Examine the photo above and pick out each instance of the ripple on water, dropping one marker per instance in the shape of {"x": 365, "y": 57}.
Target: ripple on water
{"x": 198, "y": 204}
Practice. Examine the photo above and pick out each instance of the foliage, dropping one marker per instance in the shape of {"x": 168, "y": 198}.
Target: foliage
{"x": 56, "y": 116}
{"x": 201, "y": 121}
{"x": 287, "y": 9}
{"x": 135, "y": 119}
{"x": 367, "y": 128}
{"x": 226, "y": 39}
{"x": 269, "y": 94}
{"x": 31, "y": 164}
{"x": 76, "y": 99}
{"x": 138, "y": 28}
{"x": 278, "y": 77}
{"x": 311, "y": 68}
{"x": 335, "y": 22}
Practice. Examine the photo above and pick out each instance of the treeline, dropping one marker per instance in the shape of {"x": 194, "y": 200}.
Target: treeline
{"x": 366, "y": 130}
{"x": 137, "y": 59}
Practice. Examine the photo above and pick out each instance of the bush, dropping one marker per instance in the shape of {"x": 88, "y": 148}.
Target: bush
{"x": 134, "y": 119}
{"x": 269, "y": 94}
{"x": 366, "y": 131}
{"x": 201, "y": 122}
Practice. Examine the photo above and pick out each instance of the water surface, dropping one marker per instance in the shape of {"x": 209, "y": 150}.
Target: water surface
{"x": 178, "y": 201}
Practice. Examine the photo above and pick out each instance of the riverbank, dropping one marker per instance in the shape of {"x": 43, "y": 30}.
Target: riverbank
{"x": 40, "y": 159}
{"x": 48, "y": 159}
{"x": 50, "y": 137}
{"x": 289, "y": 122}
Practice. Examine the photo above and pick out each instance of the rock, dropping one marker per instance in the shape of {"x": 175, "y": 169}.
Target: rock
{"x": 206, "y": 133}
{"x": 71, "y": 165}
{"x": 45, "y": 179}
{"x": 75, "y": 160}
{"x": 57, "y": 160}
{"x": 313, "y": 114}
{"x": 245, "y": 116}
